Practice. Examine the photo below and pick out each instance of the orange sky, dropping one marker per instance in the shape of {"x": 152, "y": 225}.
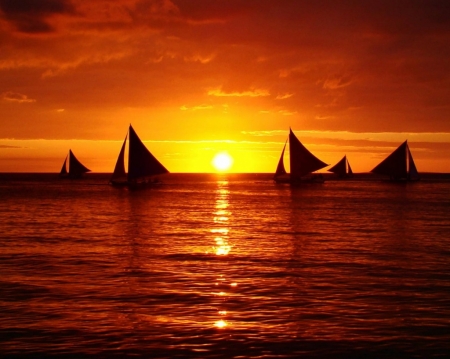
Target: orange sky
{"x": 196, "y": 77}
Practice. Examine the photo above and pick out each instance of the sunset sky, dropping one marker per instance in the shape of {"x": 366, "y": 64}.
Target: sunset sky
{"x": 197, "y": 77}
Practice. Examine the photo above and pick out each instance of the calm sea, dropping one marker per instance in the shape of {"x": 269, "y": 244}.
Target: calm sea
{"x": 230, "y": 266}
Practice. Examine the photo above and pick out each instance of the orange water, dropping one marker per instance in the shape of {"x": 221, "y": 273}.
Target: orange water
{"x": 230, "y": 266}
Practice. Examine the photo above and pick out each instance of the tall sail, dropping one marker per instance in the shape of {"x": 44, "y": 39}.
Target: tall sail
{"x": 64, "y": 168}
{"x": 141, "y": 162}
{"x": 301, "y": 160}
{"x": 76, "y": 168}
{"x": 280, "y": 168}
{"x": 119, "y": 169}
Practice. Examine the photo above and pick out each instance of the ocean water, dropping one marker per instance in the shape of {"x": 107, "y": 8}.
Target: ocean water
{"x": 229, "y": 266}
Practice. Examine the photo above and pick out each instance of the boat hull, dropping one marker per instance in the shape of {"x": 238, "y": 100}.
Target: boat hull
{"x": 403, "y": 179}
{"x": 286, "y": 179}
{"x": 135, "y": 185}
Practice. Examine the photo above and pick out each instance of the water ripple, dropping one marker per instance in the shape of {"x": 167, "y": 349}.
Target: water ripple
{"x": 224, "y": 267}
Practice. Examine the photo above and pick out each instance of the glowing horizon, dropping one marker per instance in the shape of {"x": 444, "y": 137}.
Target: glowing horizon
{"x": 249, "y": 155}
{"x": 347, "y": 78}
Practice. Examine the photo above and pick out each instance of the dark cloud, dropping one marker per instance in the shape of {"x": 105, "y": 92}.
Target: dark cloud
{"x": 321, "y": 21}
{"x": 218, "y": 10}
{"x": 372, "y": 65}
{"x": 32, "y": 16}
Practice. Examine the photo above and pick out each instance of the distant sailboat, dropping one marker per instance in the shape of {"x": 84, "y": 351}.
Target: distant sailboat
{"x": 76, "y": 168}
{"x": 302, "y": 162}
{"x": 142, "y": 165}
{"x": 399, "y": 165}
{"x": 342, "y": 168}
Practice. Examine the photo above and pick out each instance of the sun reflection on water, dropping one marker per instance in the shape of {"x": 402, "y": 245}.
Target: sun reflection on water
{"x": 221, "y": 323}
{"x": 221, "y": 218}
{"x": 221, "y": 246}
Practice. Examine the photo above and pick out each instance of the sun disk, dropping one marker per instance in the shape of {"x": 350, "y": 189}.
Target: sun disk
{"x": 222, "y": 161}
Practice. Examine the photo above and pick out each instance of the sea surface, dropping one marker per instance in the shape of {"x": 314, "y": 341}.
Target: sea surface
{"x": 224, "y": 266}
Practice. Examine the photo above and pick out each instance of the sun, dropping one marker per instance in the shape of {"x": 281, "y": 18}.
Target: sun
{"x": 222, "y": 161}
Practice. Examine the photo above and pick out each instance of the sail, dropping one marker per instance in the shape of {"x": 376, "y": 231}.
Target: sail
{"x": 412, "y": 173}
{"x": 64, "y": 168}
{"x": 301, "y": 160}
{"x": 141, "y": 162}
{"x": 350, "y": 172}
{"x": 76, "y": 168}
{"x": 119, "y": 169}
{"x": 280, "y": 168}
{"x": 395, "y": 164}
{"x": 340, "y": 168}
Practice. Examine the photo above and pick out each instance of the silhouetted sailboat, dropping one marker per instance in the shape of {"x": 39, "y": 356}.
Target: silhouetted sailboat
{"x": 76, "y": 168}
{"x": 399, "y": 165}
{"x": 342, "y": 168}
{"x": 142, "y": 165}
{"x": 302, "y": 163}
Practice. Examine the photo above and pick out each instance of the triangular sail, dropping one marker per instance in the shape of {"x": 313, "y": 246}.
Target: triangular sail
{"x": 350, "y": 172}
{"x": 141, "y": 162}
{"x": 340, "y": 167}
{"x": 301, "y": 160}
{"x": 76, "y": 168}
{"x": 395, "y": 164}
{"x": 64, "y": 168}
{"x": 280, "y": 168}
{"x": 119, "y": 169}
{"x": 413, "y": 173}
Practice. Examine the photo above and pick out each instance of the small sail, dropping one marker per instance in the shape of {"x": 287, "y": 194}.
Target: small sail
{"x": 395, "y": 164}
{"x": 302, "y": 161}
{"x": 350, "y": 172}
{"x": 340, "y": 168}
{"x": 413, "y": 174}
{"x": 76, "y": 168}
{"x": 141, "y": 162}
{"x": 64, "y": 168}
{"x": 280, "y": 168}
{"x": 119, "y": 169}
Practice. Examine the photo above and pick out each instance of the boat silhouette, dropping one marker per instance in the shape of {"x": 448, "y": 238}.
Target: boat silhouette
{"x": 142, "y": 165}
{"x": 342, "y": 168}
{"x": 76, "y": 168}
{"x": 302, "y": 162}
{"x": 399, "y": 165}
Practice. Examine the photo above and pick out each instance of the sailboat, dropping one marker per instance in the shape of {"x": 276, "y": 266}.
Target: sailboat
{"x": 399, "y": 165}
{"x": 342, "y": 168}
{"x": 302, "y": 163}
{"x": 76, "y": 168}
{"x": 142, "y": 165}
